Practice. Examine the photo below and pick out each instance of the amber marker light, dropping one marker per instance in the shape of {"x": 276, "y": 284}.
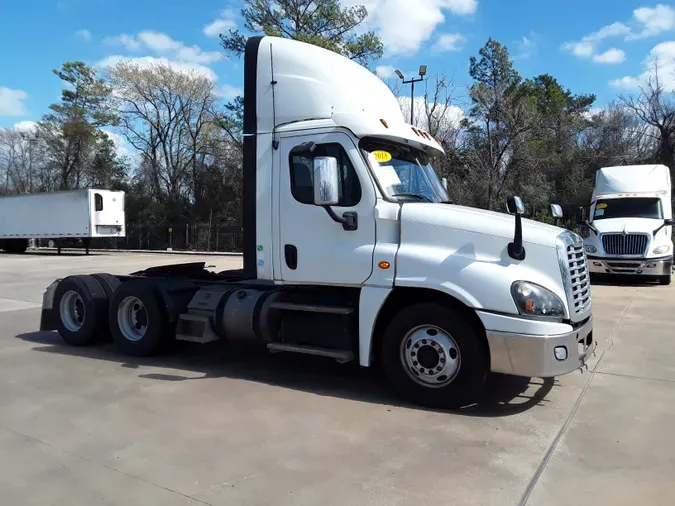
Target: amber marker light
{"x": 384, "y": 265}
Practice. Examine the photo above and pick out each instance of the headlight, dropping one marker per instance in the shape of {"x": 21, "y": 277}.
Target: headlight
{"x": 535, "y": 300}
{"x": 661, "y": 250}
{"x": 590, "y": 249}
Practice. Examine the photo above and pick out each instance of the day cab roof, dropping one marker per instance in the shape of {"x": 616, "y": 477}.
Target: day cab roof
{"x": 297, "y": 85}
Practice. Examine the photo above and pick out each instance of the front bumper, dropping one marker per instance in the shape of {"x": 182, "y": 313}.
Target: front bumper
{"x": 533, "y": 355}
{"x": 634, "y": 266}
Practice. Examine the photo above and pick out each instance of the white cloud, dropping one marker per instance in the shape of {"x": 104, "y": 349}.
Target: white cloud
{"x": 403, "y": 25}
{"x": 83, "y": 34}
{"x": 653, "y": 21}
{"x": 384, "y": 71}
{"x": 11, "y": 102}
{"x": 526, "y": 47}
{"x": 449, "y": 42}
{"x": 613, "y": 55}
{"x": 126, "y": 40}
{"x": 25, "y": 126}
{"x": 148, "y": 61}
{"x": 159, "y": 42}
{"x": 222, "y": 24}
{"x": 449, "y": 117}
{"x": 165, "y": 50}
{"x": 229, "y": 92}
{"x": 662, "y": 56}
{"x": 587, "y": 46}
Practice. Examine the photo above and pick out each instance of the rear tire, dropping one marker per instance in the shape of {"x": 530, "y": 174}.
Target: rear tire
{"x": 452, "y": 354}
{"x": 138, "y": 322}
{"x": 81, "y": 303}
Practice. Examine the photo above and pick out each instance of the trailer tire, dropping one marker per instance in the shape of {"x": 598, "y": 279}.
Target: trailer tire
{"x": 454, "y": 352}
{"x": 81, "y": 304}
{"x": 138, "y": 321}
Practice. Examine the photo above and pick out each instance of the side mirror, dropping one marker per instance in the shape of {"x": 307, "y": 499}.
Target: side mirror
{"x": 325, "y": 181}
{"x": 666, "y": 223}
{"x": 514, "y": 205}
{"x": 326, "y": 194}
{"x": 556, "y": 211}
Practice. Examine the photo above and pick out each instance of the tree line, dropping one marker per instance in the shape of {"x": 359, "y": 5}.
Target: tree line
{"x": 510, "y": 134}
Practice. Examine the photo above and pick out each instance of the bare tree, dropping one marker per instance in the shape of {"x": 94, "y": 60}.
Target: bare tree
{"x": 166, "y": 114}
{"x": 656, "y": 108}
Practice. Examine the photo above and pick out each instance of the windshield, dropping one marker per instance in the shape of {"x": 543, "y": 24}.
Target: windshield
{"x": 628, "y": 208}
{"x": 403, "y": 172}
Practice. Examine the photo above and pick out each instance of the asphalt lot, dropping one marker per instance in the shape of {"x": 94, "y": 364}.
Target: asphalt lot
{"x": 218, "y": 427}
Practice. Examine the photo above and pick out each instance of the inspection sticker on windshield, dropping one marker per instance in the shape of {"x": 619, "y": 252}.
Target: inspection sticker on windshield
{"x": 601, "y": 206}
{"x": 382, "y": 156}
{"x": 387, "y": 175}
{"x": 599, "y": 212}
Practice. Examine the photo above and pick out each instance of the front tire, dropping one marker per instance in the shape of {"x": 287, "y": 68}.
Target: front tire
{"x": 433, "y": 356}
{"x": 138, "y": 323}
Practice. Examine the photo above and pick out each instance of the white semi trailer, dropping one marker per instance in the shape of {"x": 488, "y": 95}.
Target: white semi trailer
{"x": 353, "y": 251}
{"x": 58, "y": 216}
{"x": 630, "y": 222}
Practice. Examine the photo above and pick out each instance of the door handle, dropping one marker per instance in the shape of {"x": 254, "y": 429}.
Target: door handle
{"x": 291, "y": 256}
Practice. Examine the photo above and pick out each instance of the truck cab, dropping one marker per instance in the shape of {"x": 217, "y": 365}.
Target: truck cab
{"x": 353, "y": 251}
{"x": 630, "y": 223}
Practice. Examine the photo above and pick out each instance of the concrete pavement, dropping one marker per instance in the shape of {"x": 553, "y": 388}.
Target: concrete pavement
{"x": 217, "y": 426}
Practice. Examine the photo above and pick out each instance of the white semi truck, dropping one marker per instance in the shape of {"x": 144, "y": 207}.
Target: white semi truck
{"x": 60, "y": 216}
{"x": 353, "y": 251}
{"x": 630, "y": 222}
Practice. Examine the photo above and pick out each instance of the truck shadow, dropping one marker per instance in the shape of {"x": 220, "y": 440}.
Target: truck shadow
{"x": 504, "y": 395}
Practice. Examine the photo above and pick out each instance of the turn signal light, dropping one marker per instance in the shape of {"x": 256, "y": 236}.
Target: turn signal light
{"x": 384, "y": 265}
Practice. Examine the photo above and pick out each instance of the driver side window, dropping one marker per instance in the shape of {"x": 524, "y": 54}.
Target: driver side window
{"x": 302, "y": 175}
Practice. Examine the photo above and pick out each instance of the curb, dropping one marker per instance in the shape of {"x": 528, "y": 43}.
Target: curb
{"x": 161, "y": 252}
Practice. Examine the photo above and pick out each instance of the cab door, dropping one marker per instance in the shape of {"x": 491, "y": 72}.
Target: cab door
{"x": 313, "y": 248}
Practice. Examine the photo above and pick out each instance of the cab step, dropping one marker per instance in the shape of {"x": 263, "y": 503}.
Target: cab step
{"x": 312, "y": 308}
{"x": 341, "y": 356}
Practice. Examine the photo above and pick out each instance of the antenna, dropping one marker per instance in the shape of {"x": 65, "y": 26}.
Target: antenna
{"x": 275, "y": 142}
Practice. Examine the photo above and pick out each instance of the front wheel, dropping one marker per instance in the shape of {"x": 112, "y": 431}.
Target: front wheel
{"x": 434, "y": 356}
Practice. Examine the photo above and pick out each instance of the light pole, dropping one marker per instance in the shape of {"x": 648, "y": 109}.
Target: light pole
{"x": 423, "y": 72}
{"x": 31, "y": 139}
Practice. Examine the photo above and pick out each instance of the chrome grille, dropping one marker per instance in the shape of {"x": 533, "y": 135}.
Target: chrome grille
{"x": 580, "y": 298}
{"x": 625, "y": 244}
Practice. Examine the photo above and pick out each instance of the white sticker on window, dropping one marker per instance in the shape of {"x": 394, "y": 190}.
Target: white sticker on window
{"x": 387, "y": 175}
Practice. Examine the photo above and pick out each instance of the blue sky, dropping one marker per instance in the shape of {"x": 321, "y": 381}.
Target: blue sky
{"x": 591, "y": 46}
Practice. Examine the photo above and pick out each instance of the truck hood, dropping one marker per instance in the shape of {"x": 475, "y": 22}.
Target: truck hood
{"x": 628, "y": 225}
{"x": 470, "y": 219}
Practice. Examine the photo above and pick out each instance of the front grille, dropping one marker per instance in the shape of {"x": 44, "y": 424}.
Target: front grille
{"x": 579, "y": 276}
{"x": 628, "y": 244}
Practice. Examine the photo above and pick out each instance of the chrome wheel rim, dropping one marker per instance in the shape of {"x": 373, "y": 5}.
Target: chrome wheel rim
{"x": 430, "y": 356}
{"x": 132, "y": 318}
{"x": 72, "y": 311}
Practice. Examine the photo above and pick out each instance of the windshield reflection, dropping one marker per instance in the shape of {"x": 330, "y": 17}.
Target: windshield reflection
{"x": 404, "y": 173}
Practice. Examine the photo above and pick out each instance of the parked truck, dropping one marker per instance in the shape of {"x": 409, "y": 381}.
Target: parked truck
{"x": 630, "y": 223}
{"x": 60, "y": 217}
{"x": 353, "y": 251}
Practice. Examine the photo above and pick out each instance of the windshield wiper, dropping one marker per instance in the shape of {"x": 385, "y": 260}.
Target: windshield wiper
{"x": 418, "y": 196}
